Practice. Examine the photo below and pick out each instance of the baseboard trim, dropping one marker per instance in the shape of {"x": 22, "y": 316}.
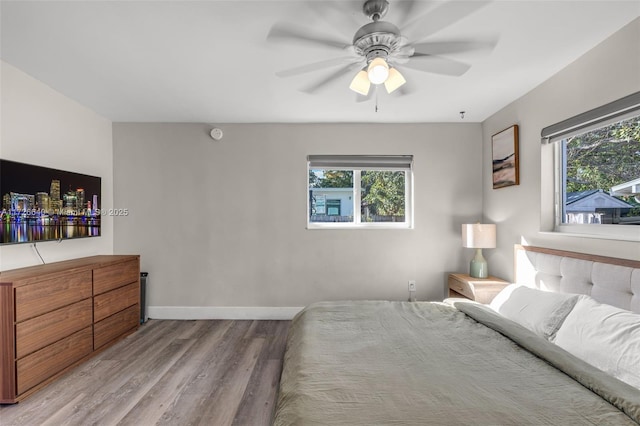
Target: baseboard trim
{"x": 223, "y": 312}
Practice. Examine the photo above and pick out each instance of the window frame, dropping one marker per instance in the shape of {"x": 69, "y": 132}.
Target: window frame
{"x": 590, "y": 230}
{"x": 357, "y": 197}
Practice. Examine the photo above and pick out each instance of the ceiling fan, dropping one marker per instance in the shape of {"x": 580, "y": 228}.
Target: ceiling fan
{"x": 379, "y": 49}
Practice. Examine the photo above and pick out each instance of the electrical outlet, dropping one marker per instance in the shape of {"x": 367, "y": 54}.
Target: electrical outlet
{"x": 412, "y": 285}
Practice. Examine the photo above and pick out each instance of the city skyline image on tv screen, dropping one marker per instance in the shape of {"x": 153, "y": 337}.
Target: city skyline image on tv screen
{"x": 45, "y": 204}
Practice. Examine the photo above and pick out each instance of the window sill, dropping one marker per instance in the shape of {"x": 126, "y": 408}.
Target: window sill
{"x": 611, "y": 232}
{"x": 338, "y": 225}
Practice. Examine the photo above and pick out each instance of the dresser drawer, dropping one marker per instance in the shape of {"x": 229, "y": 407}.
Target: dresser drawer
{"x": 49, "y": 295}
{"x": 109, "y": 303}
{"x": 38, "y": 332}
{"x": 482, "y": 290}
{"x": 114, "y": 276}
{"x": 39, "y": 366}
{"x": 115, "y": 325}
{"x": 461, "y": 287}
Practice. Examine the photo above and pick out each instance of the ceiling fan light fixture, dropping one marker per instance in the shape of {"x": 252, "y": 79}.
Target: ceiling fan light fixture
{"x": 378, "y": 70}
{"x": 360, "y": 83}
{"x": 394, "y": 81}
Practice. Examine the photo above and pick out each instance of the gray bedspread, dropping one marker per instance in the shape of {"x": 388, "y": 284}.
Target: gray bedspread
{"x": 421, "y": 363}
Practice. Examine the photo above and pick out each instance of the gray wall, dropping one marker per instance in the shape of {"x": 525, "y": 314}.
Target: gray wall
{"x": 223, "y": 223}
{"x": 43, "y": 127}
{"x": 525, "y": 213}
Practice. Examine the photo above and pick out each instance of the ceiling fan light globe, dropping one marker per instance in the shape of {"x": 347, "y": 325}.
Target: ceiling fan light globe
{"x": 360, "y": 83}
{"x": 378, "y": 71}
{"x": 394, "y": 81}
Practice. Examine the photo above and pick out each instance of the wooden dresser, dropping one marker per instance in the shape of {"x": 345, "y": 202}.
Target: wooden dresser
{"x": 54, "y": 316}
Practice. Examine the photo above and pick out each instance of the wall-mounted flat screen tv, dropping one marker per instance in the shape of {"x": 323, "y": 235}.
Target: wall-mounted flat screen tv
{"x": 43, "y": 204}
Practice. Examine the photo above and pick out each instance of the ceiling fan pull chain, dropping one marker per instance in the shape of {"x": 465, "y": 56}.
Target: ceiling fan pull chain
{"x": 376, "y": 89}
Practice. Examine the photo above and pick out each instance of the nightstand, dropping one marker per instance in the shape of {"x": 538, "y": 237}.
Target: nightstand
{"x": 481, "y": 290}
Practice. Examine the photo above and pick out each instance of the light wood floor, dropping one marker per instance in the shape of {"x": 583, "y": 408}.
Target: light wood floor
{"x": 168, "y": 373}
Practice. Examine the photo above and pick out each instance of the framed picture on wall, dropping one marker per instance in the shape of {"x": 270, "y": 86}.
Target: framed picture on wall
{"x": 504, "y": 153}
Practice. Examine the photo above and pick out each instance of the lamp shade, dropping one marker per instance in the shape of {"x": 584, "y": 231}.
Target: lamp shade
{"x": 479, "y": 235}
{"x": 360, "y": 83}
{"x": 394, "y": 81}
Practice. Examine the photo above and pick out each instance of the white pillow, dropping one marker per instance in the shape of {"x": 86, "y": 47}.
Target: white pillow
{"x": 604, "y": 336}
{"x": 540, "y": 311}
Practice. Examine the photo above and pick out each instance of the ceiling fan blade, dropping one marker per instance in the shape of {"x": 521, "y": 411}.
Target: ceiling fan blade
{"x": 403, "y": 10}
{"x": 316, "y": 66}
{"x": 454, "y": 46}
{"x": 291, "y": 33}
{"x": 330, "y": 78}
{"x": 437, "y": 64}
{"x": 441, "y": 17}
{"x": 343, "y": 16}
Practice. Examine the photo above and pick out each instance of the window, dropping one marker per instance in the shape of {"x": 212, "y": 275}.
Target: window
{"x": 598, "y": 170}
{"x": 333, "y": 207}
{"x": 347, "y": 191}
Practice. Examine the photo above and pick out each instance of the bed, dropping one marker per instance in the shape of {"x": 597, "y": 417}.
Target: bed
{"x": 417, "y": 363}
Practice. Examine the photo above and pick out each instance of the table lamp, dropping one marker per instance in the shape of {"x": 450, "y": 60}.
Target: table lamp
{"x": 478, "y": 236}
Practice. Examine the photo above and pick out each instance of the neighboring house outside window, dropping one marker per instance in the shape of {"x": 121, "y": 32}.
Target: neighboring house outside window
{"x": 594, "y": 206}
{"x": 630, "y": 191}
{"x": 331, "y": 204}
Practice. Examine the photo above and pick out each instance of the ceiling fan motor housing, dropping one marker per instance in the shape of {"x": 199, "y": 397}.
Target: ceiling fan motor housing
{"x": 377, "y": 39}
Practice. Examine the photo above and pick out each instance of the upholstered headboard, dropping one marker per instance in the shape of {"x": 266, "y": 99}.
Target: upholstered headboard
{"x": 608, "y": 280}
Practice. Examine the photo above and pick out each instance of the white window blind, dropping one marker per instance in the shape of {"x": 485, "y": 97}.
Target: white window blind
{"x": 361, "y": 162}
{"x": 612, "y": 112}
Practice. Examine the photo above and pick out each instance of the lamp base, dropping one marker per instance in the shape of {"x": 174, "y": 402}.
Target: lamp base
{"x": 478, "y": 267}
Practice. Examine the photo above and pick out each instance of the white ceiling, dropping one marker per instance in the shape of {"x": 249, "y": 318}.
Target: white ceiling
{"x": 209, "y": 61}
